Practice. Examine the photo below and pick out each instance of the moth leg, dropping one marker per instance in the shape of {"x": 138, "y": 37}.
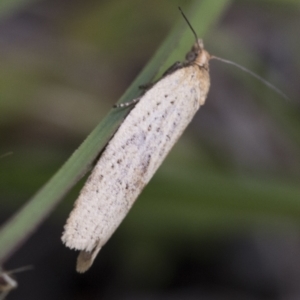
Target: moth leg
{"x": 146, "y": 86}
{"x": 126, "y": 104}
{"x": 173, "y": 68}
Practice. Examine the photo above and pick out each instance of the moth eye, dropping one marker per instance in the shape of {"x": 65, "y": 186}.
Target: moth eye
{"x": 190, "y": 56}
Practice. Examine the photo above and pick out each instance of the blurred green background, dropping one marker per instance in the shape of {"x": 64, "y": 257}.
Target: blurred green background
{"x": 220, "y": 219}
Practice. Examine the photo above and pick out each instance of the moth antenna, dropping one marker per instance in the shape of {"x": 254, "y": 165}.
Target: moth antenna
{"x": 191, "y": 27}
{"x": 267, "y": 83}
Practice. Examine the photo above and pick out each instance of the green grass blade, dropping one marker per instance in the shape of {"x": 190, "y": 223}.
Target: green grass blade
{"x": 26, "y": 220}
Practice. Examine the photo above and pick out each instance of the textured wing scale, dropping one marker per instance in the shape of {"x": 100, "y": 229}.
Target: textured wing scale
{"x": 131, "y": 158}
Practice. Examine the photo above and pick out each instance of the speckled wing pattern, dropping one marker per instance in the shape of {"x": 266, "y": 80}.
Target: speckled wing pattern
{"x": 132, "y": 157}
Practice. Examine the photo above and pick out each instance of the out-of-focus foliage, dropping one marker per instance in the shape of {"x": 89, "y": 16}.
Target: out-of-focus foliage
{"x": 234, "y": 173}
{"x": 22, "y": 224}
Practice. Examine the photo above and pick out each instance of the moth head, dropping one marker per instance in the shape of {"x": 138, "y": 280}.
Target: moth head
{"x": 197, "y": 55}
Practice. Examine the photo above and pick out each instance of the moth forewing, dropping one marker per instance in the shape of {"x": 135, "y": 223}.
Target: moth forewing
{"x": 134, "y": 154}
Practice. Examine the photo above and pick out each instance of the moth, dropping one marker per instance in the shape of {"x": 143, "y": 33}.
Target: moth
{"x": 137, "y": 150}
{"x": 134, "y": 154}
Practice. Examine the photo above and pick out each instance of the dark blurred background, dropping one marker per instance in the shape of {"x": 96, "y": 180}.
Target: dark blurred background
{"x": 220, "y": 220}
